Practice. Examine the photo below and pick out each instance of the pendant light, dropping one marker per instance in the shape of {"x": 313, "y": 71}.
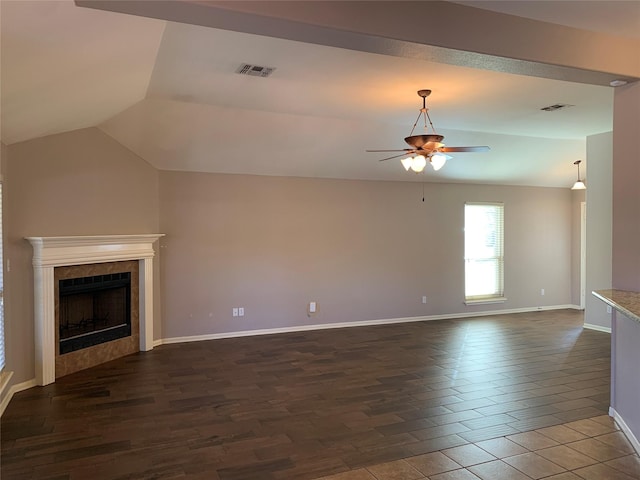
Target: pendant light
{"x": 579, "y": 185}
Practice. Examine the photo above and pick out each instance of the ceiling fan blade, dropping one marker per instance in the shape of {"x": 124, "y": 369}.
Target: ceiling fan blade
{"x": 465, "y": 149}
{"x": 397, "y": 150}
{"x": 395, "y": 156}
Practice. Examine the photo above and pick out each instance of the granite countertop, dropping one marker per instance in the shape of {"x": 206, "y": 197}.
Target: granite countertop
{"x": 626, "y": 302}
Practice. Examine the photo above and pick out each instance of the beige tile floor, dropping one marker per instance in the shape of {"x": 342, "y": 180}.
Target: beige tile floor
{"x": 589, "y": 449}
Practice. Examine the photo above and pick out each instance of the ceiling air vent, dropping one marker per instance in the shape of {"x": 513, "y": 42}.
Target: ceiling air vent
{"x": 254, "y": 70}
{"x": 557, "y": 106}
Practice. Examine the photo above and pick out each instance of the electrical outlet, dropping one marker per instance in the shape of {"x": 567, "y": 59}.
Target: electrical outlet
{"x": 608, "y": 308}
{"x": 241, "y": 311}
{"x": 312, "y": 307}
{"x": 235, "y": 312}
{"x": 424, "y": 299}
{"x": 542, "y": 292}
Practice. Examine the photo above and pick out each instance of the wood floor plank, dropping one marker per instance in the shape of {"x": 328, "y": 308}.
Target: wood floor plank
{"x": 309, "y": 404}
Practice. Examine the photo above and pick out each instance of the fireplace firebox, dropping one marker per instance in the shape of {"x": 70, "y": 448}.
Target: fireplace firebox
{"x": 93, "y": 310}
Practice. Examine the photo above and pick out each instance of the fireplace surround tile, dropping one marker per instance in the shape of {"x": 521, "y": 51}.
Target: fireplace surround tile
{"x": 91, "y": 356}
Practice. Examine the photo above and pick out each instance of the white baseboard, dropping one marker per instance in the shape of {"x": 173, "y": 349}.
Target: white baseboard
{"x": 18, "y": 387}
{"x": 625, "y": 428}
{"x": 598, "y": 328}
{"x": 363, "y": 323}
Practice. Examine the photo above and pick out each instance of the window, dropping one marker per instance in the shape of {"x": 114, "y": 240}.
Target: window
{"x": 4, "y": 375}
{"x": 484, "y": 252}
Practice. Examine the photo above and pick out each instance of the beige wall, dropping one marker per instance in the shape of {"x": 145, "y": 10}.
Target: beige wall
{"x": 626, "y": 193}
{"x": 77, "y": 183}
{"x": 626, "y": 252}
{"x": 577, "y": 197}
{"x": 599, "y": 211}
{"x": 362, "y": 250}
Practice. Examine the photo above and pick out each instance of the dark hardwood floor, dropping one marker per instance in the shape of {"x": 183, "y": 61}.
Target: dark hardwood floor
{"x": 305, "y": 405}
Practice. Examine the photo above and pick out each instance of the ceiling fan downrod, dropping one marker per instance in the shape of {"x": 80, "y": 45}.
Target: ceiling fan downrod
{"x": 424, "y": 111}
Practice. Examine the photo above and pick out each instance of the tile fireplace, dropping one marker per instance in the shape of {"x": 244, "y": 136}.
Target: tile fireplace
{"x": 67, "y": 266}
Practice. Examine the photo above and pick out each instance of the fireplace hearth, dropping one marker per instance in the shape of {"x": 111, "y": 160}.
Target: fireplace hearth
{"x": 93, "y": 310}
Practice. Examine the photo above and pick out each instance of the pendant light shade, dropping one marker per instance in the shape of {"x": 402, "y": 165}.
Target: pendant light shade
{"x": 406, "y": 163}
{"x": 418, "y": 163}
{"x": 415, "y": 164}
{"x": 438, "y": 160}
{"x": 579, "y": 185}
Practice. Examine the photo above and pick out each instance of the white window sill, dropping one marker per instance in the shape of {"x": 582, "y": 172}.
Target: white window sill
{"x": 485, "y": 301}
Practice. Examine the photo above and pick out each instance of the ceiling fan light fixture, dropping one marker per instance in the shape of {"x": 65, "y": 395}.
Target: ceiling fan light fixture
{"x": 579, "y": 185}
{"x": 418, "y": 163}
{"x": 407, "y": 162}
{"x": 427, "y": 146}
{"x": 438, "y": 160}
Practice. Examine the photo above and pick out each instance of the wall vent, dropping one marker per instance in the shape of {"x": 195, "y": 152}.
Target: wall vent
{"x": 557, "y": 106}
{"x": 254, "y": 70}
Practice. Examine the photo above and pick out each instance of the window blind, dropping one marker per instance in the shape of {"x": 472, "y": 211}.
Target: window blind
{"x": 484, "y": 251}
{"x": 1, "y": 288}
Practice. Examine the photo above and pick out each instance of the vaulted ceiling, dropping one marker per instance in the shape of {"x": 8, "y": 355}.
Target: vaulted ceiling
{"x": 169, "y": 92}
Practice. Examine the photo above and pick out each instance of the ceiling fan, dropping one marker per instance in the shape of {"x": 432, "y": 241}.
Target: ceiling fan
{"x": 426, "y": 147}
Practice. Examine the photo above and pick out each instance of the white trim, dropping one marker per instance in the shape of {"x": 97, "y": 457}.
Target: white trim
{"x": 598, "y": 328}
{"x": 78, "y": 250}
{"x": 485, "y": 301}
{"x": 498, "y": 215}
{"x": 583, "y": 255}
{"x": 625, "y": 429}
{"x": 51, "y": 252}
{"x": 18, "y": 387}
{"x": 363, "y": 323}
{"x": 4, "y": 381}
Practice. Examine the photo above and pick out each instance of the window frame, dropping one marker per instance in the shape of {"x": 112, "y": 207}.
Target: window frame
{"x": 498, "y": 296}
{"x": 2, "y": 322}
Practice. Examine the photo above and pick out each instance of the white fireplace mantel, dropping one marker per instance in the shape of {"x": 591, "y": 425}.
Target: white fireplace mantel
{"x": 51, "y": 252}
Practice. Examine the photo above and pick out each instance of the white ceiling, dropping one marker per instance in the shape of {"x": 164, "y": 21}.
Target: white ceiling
{"x": 63, "y": 68}
{"x": 169, "y": 92}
